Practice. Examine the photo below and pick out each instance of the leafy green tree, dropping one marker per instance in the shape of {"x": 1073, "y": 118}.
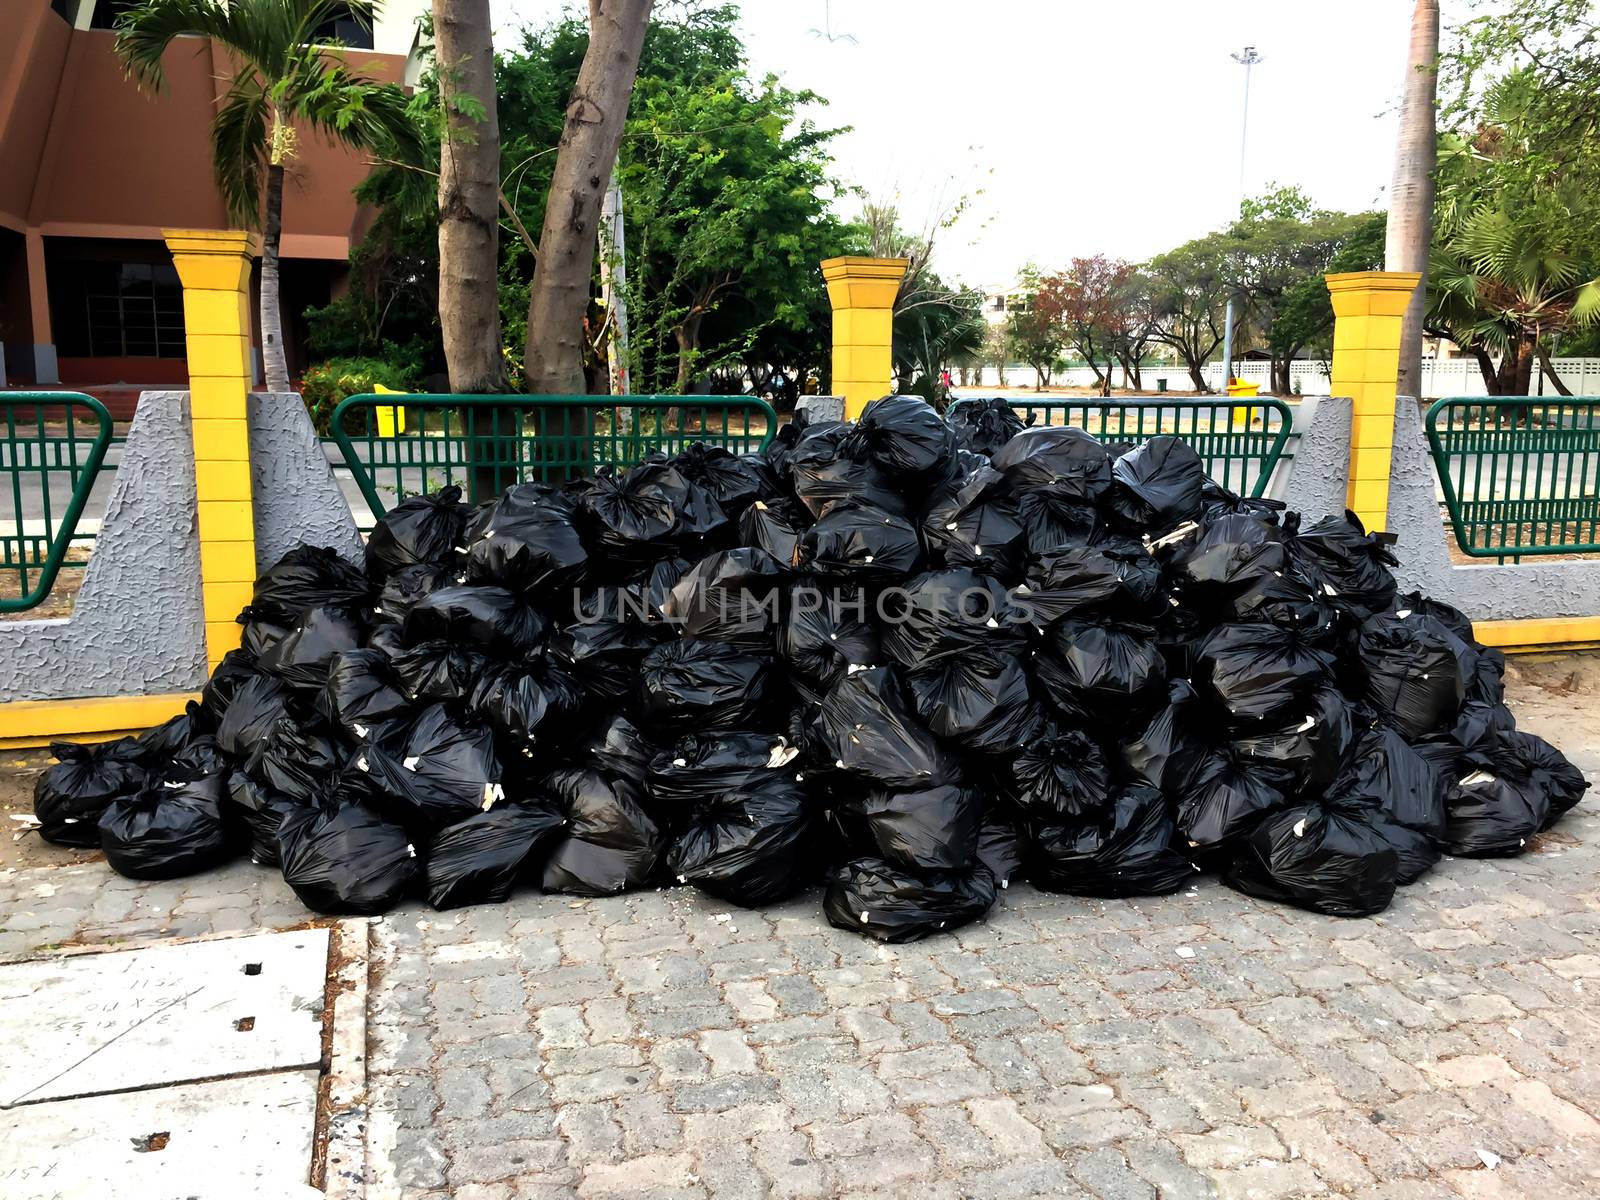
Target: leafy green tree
{"x": 1188, "y": 296}
{"x": 285, "y": 83}
{"x": 1034, "y": 333}
{"x": 944, "y": 330}
{"x": 1304, "y": 317}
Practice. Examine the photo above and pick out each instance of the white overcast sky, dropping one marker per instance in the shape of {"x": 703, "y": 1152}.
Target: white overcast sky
{"x": 1091, "y": 126}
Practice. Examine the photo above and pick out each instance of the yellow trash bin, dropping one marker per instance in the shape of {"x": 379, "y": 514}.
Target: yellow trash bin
{"x": 391, "y": 418}
{"x": 1240, "y": 417}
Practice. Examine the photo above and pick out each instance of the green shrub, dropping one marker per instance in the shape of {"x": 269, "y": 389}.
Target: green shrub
{"x": 329, "y": 382}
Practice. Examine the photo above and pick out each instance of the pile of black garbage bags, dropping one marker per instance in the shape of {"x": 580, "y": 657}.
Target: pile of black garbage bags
{"x": 909, "y": 660}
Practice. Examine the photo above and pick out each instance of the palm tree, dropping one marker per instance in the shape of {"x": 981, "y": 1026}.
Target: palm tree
{"x": 1410, "y": 230}
{"x": 284, "y": 83}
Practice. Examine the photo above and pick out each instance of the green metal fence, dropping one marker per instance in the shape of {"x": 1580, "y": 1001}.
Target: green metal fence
{"x": 1519, "y": 475}
{"x": 399, "y": 445}
{"x": 1241, "y": 440}
{"x": 52, "y": 449}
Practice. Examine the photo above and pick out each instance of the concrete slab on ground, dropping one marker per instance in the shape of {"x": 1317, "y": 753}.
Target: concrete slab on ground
{"x": 221, "y": 1140}
{"x": 121, "y": 1020}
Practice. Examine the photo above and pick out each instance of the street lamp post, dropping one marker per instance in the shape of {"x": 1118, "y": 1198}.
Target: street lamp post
{"x": 1246, "y": 58}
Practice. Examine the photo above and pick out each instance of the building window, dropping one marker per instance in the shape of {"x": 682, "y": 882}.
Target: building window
{"x": 116, "y": 309}
{"x": 346, "y": 27}
{"x": 64, "y": 9}
{"x": 108, "y": 12}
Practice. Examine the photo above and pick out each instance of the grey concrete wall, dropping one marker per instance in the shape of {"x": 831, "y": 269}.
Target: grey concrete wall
{"x": 296, "y": 496}
{"x": 1487, "y": 592}
{"x": 1313, "y": 484}
{"x": 137, "y": 627}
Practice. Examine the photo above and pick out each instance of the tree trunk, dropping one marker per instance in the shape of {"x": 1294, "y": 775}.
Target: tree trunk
{"x": 1527, "y": 354}
{"x": 469, "y": 198}
{"x": 1410, "y": 231}
{"x": 688, "y": 336}
{"x": 1549, "y": 370}
{"x": 1491, "y": 383}
{"x": 1197, "y": 376}
{"x": 276, "y": 367}
{"x": 588, "y": 150}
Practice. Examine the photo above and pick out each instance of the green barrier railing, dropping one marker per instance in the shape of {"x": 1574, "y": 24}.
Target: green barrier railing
{"x": 1241, "y": 440}
{"x": 52, "y": 449}
{"x": 1519, "y": 474}
{"x": 398, "y": 445}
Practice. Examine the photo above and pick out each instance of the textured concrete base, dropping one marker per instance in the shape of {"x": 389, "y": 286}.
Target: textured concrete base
{"x": 167, "y": 1014}
{"x": 296, "y": 497}
{"x": 1314, "y": 483}
{"x": 221, "y": 1140}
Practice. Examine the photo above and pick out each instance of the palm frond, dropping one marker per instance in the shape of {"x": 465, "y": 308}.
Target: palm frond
{"x": 238, "y": 141}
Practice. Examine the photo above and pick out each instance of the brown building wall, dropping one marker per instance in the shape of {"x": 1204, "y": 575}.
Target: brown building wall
{"x": 85, "y": 154}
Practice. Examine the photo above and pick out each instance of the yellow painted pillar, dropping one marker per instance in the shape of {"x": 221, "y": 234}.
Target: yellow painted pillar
{"x": 862, "y": 292}
{"x": 1367, "y": 309}
{"x": 214, "y": 267}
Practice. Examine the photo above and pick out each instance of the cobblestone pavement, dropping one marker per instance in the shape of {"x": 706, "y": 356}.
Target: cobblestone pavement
{"x": 1203, "y": 1044}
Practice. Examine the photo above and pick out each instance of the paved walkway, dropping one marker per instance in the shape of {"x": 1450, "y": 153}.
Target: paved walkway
{"x": 1202, "y": 1044}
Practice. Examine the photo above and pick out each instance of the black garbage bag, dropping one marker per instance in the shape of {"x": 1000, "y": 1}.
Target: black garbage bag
{"x": 1507, "y": 791}
{"x": 1060, "y": 773}
{"x": 1396, "y": 791}
{"x": 647, "y": 513}
{"x": 305, "y": 578}
{"x": 481, "y": 859}
{"x": 1168, "y": 751}
{"x": 745, "y": 829}
{"x": 421, "y": 531}
{"x": 362, "y": 696}
{"x": 1302, "y": 753}
{"x": 1214, "y": 561}
{"x": 293, "y": 759}
{"x": 231, "y": 674}
{"x": 164, "y": 832}
{"x": 491, "y": 620}
{"x": 732, "y": 596}
{"x": 609, "y": 844}
{"x": 977, "y": 525}
{"x": 255, "y": 707}
{"x": 527, "y": 541}
{"x": 528, "y": 707}
{"x": 441, "y": 771}
{"x": 1101, "y": 673}
{"x": 167, "y": 740}
{"x": 858, "y": 542}
{"x": 405, "y": 587}
{"x": 894, "y": 905}
{"x": 341, "y": 857}
{"x": 979, "y": 701}
{"x": 1158, "y": 484}
{"x": 1128, "y": 847}
{"x": 1001, "y": 848}
{"x": 438, "y": 671}
{"x": 1224, "y": 800}
{"x": 734, "y": 481}
{"x": 1549, "y": 769}
{"x": 201, "y": 757}
{"x": 908, "y": 439}
{"x": 1317, "y": 858}
{"x": 1414, "y": 671}
{"x": 302, "y": 656}
{"x": 259, "y": 635}
{"x": 924, "y": 830}
{"x": 983, "y": 426}
{"x": 1218, "y": 501}
{"x": 943, "y": 614}
{"x": 1285, "y": 598}
{"x": 1068, "y": 462}
{"x": 261, "y": 811}
{"x": 1452, "y": 618}
{"x": 1089, "y": 581}
{"x": 640, "y": 599}
{"x": 828, "y": 630}
{"x": 1350, "y": 564}
{"x": 824, "y": 473}
{"x": 769, "y": 527}
{"x": 1477, "y": 730}
{"x": 1260, "y": 674}
{"x": 1055, "y": 520}
{"x": 865, "y": 728}
{"x": 619, "y": 749}
{"x": 604, "y": 655}
{"x": 69, "y": 797}
{"x": 693, "y": 686}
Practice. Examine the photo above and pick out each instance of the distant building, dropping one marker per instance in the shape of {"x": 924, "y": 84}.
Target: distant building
{"x": 92, "y": 169}
{"x": 1002, "y": 299}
